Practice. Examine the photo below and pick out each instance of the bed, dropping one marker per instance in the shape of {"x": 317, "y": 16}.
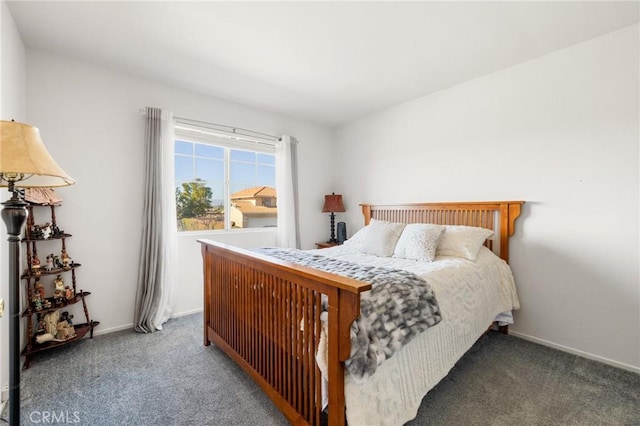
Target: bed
{"x": 289, "y": 326}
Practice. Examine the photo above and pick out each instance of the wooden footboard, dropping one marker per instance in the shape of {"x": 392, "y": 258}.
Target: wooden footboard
{"x": 265, "y": 314}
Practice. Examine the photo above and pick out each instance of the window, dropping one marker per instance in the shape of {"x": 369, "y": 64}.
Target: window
{"x": 223, "y": 183}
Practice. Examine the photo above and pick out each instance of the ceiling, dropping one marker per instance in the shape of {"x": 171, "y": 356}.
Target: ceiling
{"x": 323, "y": 62}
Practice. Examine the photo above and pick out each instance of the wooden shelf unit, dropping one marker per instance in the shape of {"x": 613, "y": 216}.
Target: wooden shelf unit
{"x": 32, "y": 275}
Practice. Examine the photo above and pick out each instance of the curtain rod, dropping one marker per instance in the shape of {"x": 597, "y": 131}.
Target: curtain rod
{"x": 237, "y": 131}
{"x": 230, "y": 129}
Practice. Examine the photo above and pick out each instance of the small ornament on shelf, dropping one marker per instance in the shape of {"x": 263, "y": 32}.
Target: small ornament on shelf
{"x": 66, "y": 260}
{"x": 49, "y": 263}
{"x": 43, "y": 232}
{"x": 65, "y": 316}
{"x": 39, "y": 289}
{"x": 56, "y": 232}
{"x": 36, "y": 233}
{"x": 65, "y": 331}
{"x": 35, "y": 262}
{"x": 64, "y": 328}
{"x": 68, "y": 293}
{"x": 59, "y": 283}
{"x": 46, "y": 231}
{"x": 40, "y": 327}
{"x": 57, "y": 264}
{"x": 37, "y": 302}
{"x": 59, "y": 294}
{"x": 51, "y": 322}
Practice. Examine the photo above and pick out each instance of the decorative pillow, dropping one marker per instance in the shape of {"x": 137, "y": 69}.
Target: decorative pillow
{"x": 357, "y": 239}
{"x": 462, "y": 241}
{"x": 419, "y": 241}
{"x": 381, "y": 237}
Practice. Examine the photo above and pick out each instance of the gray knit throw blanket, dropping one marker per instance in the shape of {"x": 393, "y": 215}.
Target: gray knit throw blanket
{"x": 399, "y": 306}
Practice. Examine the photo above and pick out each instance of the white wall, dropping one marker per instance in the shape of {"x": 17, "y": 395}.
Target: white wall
{"x": 89, "y": 119}
{"x": 12, "y": 106}
{"x": 12, "y": 69}
{"x": 560, "y": 132}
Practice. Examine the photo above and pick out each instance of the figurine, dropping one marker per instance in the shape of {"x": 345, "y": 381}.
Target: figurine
{"x": 56, "y": 232}
{"x": 46, "y": 304}
{"x": 37, "y": 302}
{"x": 35, "y": 262}
{"x": 36, "y": 233}
{"x": 49, "y": 265}
{"x": 56, "y": 262}
{"x": 59, "y": 283}
{"x": 65, "y": 316}
{"x": 39, "y": 288}
{"x": 64, "y": 327}
{"x": 65, "y": 331}
{"x": 68, "y": 293}
{"x": 66, "y": 260}
{"x": 46, "y": 231}
{"x": 51, "y": 322}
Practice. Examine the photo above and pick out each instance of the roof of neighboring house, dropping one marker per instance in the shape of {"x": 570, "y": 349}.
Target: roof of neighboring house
{"x": 255, "y": 192}
{"x": 250, "y": 209}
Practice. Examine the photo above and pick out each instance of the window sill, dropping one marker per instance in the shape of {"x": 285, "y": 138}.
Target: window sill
{"x": 198, "y": 234}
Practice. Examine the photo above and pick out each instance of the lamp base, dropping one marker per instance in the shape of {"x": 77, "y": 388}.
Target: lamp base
{"x": 333, "y": 229}
{"x": 14, "y": 215}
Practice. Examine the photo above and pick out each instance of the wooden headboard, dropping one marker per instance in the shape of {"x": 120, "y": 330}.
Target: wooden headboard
{"x": 499, "y": 216}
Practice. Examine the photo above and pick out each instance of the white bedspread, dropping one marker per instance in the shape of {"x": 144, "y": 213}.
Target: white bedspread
{"x": 470, "y": 294}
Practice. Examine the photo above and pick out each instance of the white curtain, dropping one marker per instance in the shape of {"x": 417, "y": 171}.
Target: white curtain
{"x": 157, "y": 267}
{"x": 287, "y": 192}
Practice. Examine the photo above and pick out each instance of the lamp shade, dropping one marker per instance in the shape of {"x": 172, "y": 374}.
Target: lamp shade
{"x": 25, "y": 161}
{"x": 333, "y": 204}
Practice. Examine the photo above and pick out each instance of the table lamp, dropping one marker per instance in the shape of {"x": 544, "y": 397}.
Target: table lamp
{"x": 333, "y": 204}
{"x": 24, "y": 163}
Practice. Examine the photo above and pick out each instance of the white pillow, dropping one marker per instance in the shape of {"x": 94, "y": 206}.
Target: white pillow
{"x": 381, "y": 237}
{"x": 419, "y": 241}
{"x": 462, "y": 241}
{"x": 357, "y": 239}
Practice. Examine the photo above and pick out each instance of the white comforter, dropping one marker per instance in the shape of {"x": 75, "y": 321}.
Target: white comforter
{"x": 470, "y": 295}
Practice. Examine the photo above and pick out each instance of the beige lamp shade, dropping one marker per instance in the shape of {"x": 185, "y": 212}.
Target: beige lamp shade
{"x": 25, "y": 160}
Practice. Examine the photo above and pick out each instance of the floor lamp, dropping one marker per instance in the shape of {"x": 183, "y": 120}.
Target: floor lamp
{"x": 24, "y": 163}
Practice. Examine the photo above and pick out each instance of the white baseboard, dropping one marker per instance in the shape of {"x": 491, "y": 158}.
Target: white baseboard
{"x": 184, "y": 314}
{"x": 100, "y": 331}
{"x": 573, "y": 351}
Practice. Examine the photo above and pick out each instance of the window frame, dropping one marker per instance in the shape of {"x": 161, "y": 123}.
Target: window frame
{"x": 196, "y": 134}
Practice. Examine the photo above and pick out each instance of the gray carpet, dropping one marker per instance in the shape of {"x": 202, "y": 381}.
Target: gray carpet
{"x": 170, "y": 378}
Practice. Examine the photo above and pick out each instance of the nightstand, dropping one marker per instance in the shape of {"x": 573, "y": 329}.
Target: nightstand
{"x": 325, "y": 245}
